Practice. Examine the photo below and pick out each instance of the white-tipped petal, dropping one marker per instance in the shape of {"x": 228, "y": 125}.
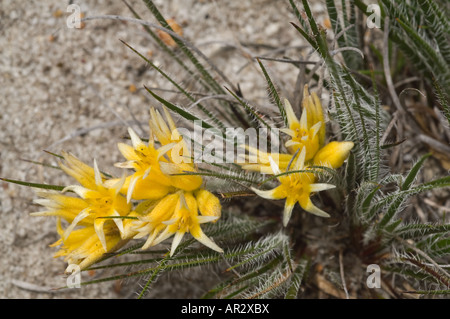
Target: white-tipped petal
{"x": 304, "y": 121}
{"x": 264, "y": 194}
{"x": 311, "y": 208}
{"x": 182, "y": 201}
{"x": 287, "y": 212}
{"x": 127, "y": 164}
{"x": 77, "y": 189}
{"x": 170, "y": 221}
{"x": 119, "y": 184}
{"x": 162, "y": 236}
{"x": 169, "y": 118}
{"x": 150, "y": 240}
{"x": 176, "y": 241}
{"x": 314, "y": 188}
{"x": 316, "y": 127}
{"x": 291, "y": 143}
{"x": 47, "y": 203}
{"x": 291, "y": 117}
{"x": 288, "y": 131}
{"x": 275, "y": 168}
{"x": 164, "y": 149}
{"x": 147, "y": 172}
{"x": 206, "y": 219}
{"x": 135, "y": 139}
{"x": 205, "y": 240}
{"x": 98, "y": 226}
{"x": 133, "y": 182}
{"x": 300, "y": 164}
{"x": 83, "y": 214}
{"x": 97, "y": 174}
{"x": 118, "y": 221}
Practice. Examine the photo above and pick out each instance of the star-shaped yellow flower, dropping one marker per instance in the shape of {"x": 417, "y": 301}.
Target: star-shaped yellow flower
{"x": 95, "y": 203}
{"x": 83, "y": 246}
{"x": 309, "y": 131}
{"x": 156, "y": 173}
{"x": 175, "y": 215}
{"x": 295, "y": 187}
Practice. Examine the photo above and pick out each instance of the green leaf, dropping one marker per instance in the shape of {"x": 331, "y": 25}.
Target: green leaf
{"x": 443, "y": 100}
{"x": 273, "y": 93}
{"x": 250, "y": 110}
{"x": 413, "y": 172}
{"x": 188, "y": 52}
{"x": 35, "y": 185}
{"x": 188, "y": 116}
{"x": 297, "y": 277}
{"x": 413, "y": 231}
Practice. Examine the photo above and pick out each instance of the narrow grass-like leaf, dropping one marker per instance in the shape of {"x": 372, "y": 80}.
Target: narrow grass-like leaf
{"x": 35, "y": 185}
{"x": 166, "y": 49}
{"x": 413, "y": 172}
{"x": 443, "y": 100}
{"x": 413, "y": 231}
{"x": 189, "y": 54}
{"x": 250, "y": 110}
{"x": 188, "y": 116}
{"x": 273, "y": 93}
{"x": 183, "y": 91}
{"x": 297, "y": 277}
{"x": 300, "y": 19}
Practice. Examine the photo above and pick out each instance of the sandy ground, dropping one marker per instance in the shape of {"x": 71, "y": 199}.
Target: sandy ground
{"x": 56, "y": 81}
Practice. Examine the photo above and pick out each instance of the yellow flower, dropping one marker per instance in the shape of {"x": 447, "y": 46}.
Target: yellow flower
{"x": 309, "y": 131}
{"x": 295, "y": 187}
{"x": 175, "y": 215}
{"x": 157, "y": 171}
{"x": 83, "y": 246}
{"x": 96, "y": 200}
{"x": 147, "y": 181}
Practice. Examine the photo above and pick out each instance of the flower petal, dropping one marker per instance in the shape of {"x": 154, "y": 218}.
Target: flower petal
{"x": 176, "y": 241}
{"x": 269, "y": 194}
{"x": 288, "y": 131}
{"x": 83, "y": 214}
{"x": 118, "y": 221}
{"x": 98, "y": 226}
{"x": 300, "y": 163}
{"x": 274, "y": 166}
{"x": 198, "y": 234}
{"x": 97, "y": 174}
{"x": 314, "y": 188}
{"x": 135, "y": 139}
{"x": 333, "y": 154}
{"x": 287, "y": 212}
{"x": 290, "y": 115}
{"x": 306, "y": 203}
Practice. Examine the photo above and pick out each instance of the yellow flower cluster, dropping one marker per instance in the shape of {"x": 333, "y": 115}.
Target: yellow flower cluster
{"x": 101, "y": 216}
{"x": 159, "y": 199}
{"x": 306, "y": 148}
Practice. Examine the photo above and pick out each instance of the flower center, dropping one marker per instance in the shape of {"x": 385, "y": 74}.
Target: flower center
{"x": 147, "y": 157}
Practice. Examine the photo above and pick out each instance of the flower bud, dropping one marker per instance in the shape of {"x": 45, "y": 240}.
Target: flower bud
{"x": 208, "y": 204}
